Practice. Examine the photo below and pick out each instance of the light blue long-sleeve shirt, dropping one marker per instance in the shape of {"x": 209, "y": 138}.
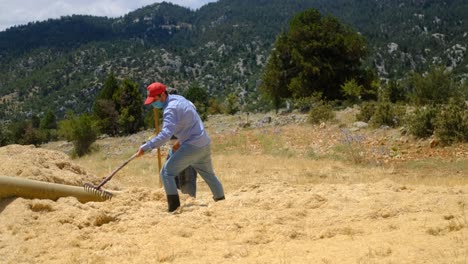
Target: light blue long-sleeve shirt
{"x": 180, "y": 119}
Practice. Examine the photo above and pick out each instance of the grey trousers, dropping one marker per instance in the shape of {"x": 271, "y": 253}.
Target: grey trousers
{"x": 186, "y": 181}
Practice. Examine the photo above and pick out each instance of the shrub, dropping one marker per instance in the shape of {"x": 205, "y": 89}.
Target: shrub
{"x": 199, "y": 97}
{"x": 421, "y": 122}
{"x": 25, "y": 133}
{"x": 202, "y": 110}
{"x": 5, "y": 136}
{"x": 32, "y": 136}
{"x": 352, "y": 91}
{"x": 231, "y": 104}
{"x": 106, "y": 116}
{"x": 321, "y": 112}
{"x": 395, "y": 91}
{"x": 352, "y": 146}
{"x": 437, "y": 86}
{"x": 128, "y": 100}
{"x": 81, "y": 131}
{"x": 367, "y": 111}
{"x": 451, "y": 123}
{"x": 304, "y": 104}
{"x": 388, "y": 114}
{"x": 214, "y": 107}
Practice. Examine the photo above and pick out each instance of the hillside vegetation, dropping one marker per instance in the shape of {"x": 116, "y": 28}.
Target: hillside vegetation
{"x": 61, "y": 64}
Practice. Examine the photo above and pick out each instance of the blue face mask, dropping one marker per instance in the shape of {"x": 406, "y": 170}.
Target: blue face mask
{"x": 157, "y": 104}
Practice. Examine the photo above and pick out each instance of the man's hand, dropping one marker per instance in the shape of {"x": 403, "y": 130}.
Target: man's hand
{"x": 140, "y": 152}
{"x": 176, "y": 146}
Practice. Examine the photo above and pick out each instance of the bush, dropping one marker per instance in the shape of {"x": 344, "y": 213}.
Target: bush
{"x": 436, "y": 87}
{"x": 367, "y": 111}
{"x": 421, "y": 122}
{"x": 6, "y": 136}
{"x": 352, "y": 146}
{"x": 33, "y": 136}
{"x": 451, "y": 123}
{"x": 304, "y": 104}
{"x": 202, "y": 110}
{"x": 395, "y": 92}
{"x": 215, "y": 107}
{"x": 231, "y": 104}
{"x": 352, "y": 91}
{"x": 199, "y": 97}
{"x": 387, "y": 114}
{"x": 81, "y": 131}
{"x": 106, "y": 116}
{"x": 321, "y": 112}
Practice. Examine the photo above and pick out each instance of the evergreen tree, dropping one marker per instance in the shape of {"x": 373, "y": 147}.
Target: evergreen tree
{"x": 437, "y": 87}
{"x": 232, "y": 104}
{"x": 105, "y": 111}
{"x": 129, "y": 101}
{"x": 199, "y": 98}
{"x": 110, "y": 87}
{"x": 35, "y": 121}
{"x": 277, "y": 73}
{"x": 106, "y": 116}
{"x": 318, "y": 54}
{"x": 80, "y": 130}
{"x": 5, "y": 136}
{"x": 32, "y": 136}
{"x": 49, "y": 121}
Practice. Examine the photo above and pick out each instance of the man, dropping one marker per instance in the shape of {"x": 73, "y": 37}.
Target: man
{"x": 180, "y": 119}
{"x": 186, "y": 181}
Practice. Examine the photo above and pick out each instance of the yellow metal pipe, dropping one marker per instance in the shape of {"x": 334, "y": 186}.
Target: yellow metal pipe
{"x": 32, "y": 189}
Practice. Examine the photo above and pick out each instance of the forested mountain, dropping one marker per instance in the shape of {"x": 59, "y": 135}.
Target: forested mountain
{"x": 61, "y": 64}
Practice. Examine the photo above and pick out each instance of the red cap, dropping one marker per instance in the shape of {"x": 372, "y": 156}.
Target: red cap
{"x": 154, "y": 90}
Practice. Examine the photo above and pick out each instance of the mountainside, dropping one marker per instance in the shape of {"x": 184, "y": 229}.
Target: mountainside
{"x": 61, "y": 63}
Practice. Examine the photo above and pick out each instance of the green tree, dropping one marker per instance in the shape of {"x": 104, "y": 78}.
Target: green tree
{"x": 5, "y": 136}
{"x": 109, "y": 88}
{"x": 352, "y": 91}
{"x": 451, "y": 124}
{"x": 214, "y": 107}
{"x": 318, "y": 54}
{"x": 32, "y": 135}
{"x": 395, "y": 91}
{"x": 232, "y": 104}
{"x": 48, "y": 126}
{"x": 81, "y": 131}
{"x": 277, "y": 73}
{"x": 35, "y": 121}
{"x": 421, "y": 122}
{"x": 17, "y": 130}
{"x": 434, "y": 88}
{"x": 199, "y": 98}
{"x": 107, "y": 116}
{"x": 49, "y": 121}
{"x": 129, "y": 101}
{"x": 104, "y": 110}
{"x": 196, "y": 94}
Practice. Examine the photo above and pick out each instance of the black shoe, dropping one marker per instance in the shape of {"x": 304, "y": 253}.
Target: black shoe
{"x": 173, "y": 202}
{"x": 219, "y": 199}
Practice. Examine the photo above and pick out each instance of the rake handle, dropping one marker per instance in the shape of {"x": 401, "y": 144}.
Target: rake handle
{"x": 115, "y": 171}
{"x": 157, "y": 129}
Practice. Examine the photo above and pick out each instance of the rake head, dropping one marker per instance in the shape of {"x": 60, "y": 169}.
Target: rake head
{"x": 97, "y": 191}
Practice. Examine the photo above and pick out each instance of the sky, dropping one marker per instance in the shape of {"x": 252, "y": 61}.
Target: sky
{"x": 21, "y": 12}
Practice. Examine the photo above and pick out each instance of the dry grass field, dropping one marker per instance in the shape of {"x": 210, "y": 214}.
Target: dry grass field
{"x": 295, "y": 193}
